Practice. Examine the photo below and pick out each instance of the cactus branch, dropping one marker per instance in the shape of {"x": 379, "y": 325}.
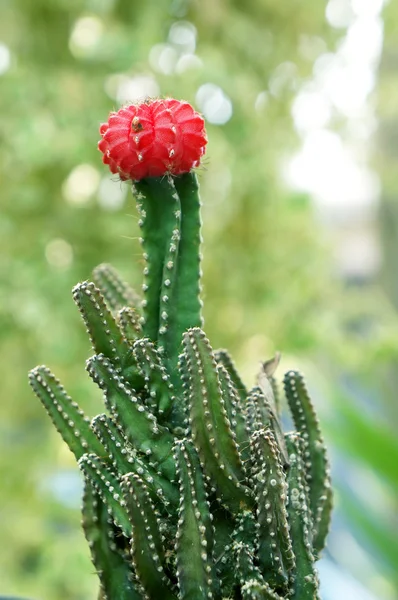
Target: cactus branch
{"x": 305, "y": 584}
{"x": 112, "y": 563}
{"x": 316, "y": 462}
{"x": 115, "y": 291}
{"x": 147, "y": 544}
{"x": 195, "y": 531}
{"x": 210, "y": 426}
{"x": 67, "y": 416}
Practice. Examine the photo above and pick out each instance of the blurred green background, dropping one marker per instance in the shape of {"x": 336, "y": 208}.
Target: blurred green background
{"x": 300, "y": 231}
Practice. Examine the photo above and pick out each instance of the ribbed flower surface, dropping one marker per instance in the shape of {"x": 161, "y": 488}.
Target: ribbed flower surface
{"x": 153, "y": 138}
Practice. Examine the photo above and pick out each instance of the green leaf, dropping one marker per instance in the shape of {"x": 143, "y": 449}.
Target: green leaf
{"x": 366, "y": 438}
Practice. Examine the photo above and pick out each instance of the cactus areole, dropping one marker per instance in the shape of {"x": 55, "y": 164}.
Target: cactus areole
{"x": 192, "y": 490}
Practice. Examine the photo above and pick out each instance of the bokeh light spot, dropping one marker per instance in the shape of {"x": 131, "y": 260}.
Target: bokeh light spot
{"x": 110, "y": 195}
{"x": 131, "y": 89}
{"x": 182, "y": 35}
{"x": 163, "y": 58}
{"x": 188, "y": 62}
{"x": 215, "y": 105}
{"x": 59, "y": 253}
{"x": 85, "y": 36}
{"x": 81, "y": 184}
{"x": 5, "y": 59}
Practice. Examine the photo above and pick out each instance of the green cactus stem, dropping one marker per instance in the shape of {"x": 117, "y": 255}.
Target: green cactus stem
{"x": 234, "y": 410}
{"x": 316, "y": 463}
{"x": 171, "y": 239}
{"x": 108, "y": 486}
{"x": 115, "y": 291}
{"x": 130, "y": 324}
{"x": 275, "y": 553}
{"x": 68, "y": 418}
{"x": 305, "y": 584}
{"x": 192, "y": 490}
{"x": 195, "y": 531}
{"x": 211, "y": 430}
{"x": 139, "y": 425}
{"x": 146, "y": 541}
{"x": 223, "y": 358}
{"x": 112, "y": 563}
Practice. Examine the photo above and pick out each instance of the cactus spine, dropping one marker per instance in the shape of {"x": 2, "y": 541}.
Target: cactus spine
{"x": 192, "y": 490}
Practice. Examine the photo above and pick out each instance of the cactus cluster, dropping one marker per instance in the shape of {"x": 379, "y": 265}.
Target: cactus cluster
{"x": 192, "y": 490}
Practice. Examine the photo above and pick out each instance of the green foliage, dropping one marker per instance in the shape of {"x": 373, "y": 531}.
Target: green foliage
{"x": 171, "y": 477}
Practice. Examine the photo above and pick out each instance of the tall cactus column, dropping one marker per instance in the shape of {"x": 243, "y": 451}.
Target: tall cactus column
{"x": 192, "y": 490}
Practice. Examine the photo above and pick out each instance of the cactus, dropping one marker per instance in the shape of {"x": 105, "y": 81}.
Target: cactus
{"x": 192, "y": 490}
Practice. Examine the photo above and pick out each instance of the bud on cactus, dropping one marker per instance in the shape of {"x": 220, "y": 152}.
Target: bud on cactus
{"x": 192, "y": 490}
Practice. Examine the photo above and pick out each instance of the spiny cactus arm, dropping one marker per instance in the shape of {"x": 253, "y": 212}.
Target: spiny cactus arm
{"x": 234, "y": 412}
{"x": 115, "y": 291}
{"x": 67, "y": 416}
{"x": 119, "y": 450}
{"x": 113, "y": 567}
{"x": 246, "y": 530}
{"x": 194, "y": 544}
{"x": 323, "y": 519}
{"x": 211, "y": 430}
{"x": 305, "y": 582}
{"x": 105, "y": 334}
{"x": 130, "y": 324}
{"x": 245, "y": 567}
{"x": 316, "y": 461}
{"x": 108, "y": 486}
{"x": 157, "y": 381}
{"x": 125, "y": 460}
{"x": 147, "y": 544}
{"x": 139, "y": 425}
{"x": 256, "y": 590}
{"x": 253, "y": 585}
{"x": 223, "y": 357}
{"x": 275, "y": 554}
{"x": 244, "y": 547}
{"x": 259, "y": 415}
{"x": 159, "y": 207}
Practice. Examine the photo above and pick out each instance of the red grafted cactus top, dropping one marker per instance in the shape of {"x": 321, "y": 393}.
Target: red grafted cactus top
{"x": 153, "y": 138}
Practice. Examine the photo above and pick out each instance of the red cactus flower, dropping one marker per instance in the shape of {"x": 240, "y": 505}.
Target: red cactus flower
{"x": 153, "y": 138}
